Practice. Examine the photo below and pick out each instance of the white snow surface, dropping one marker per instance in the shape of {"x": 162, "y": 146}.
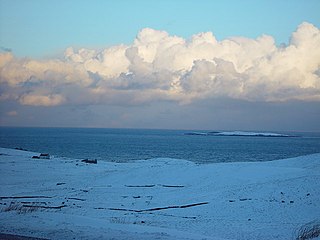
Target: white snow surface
{"x": 153, "y": 199}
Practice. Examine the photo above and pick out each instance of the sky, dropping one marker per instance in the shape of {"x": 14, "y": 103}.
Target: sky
{"x": 228, "y": 65}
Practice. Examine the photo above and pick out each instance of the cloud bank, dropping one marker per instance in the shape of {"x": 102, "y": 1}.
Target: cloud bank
{"x": 157, "y": 66}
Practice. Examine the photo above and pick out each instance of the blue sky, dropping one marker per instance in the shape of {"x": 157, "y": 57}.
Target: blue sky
{"x": 181, "y": 64}
{"x": 36, "y": 28}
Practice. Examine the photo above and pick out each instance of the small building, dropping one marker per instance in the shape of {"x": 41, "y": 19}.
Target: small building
{"x": 92, "y": 161}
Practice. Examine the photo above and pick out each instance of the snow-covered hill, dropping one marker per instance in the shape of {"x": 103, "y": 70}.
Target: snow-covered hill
{"x": 61, "y": 198}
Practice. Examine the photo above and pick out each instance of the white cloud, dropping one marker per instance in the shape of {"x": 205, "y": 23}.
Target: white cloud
{"x": 157, "y": 66}
{"x": 41, "y": 100}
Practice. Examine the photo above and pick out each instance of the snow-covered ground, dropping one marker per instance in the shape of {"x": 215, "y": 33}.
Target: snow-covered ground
{"x": 157, "y": 199}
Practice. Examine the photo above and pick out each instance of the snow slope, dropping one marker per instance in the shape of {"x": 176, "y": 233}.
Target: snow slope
{"x": 157, "y": 199}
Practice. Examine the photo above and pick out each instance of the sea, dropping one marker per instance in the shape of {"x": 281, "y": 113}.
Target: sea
{"x": 126, "y": 145}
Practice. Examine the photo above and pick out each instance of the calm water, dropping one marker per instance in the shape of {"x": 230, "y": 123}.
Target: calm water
{"x": 122, "y": 145}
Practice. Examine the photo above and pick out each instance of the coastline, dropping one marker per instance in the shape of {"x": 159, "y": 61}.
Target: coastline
{"x": 159, "y": 198}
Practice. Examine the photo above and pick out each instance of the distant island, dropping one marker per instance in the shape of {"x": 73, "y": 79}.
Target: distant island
{"x": 239, "y": 133}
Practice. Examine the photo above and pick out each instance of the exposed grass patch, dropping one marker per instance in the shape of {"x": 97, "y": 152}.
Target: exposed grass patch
{"x": 124, "y": 220}
{"x": 119, "y": 220}
{"x": 27, "y": 208}
{"x": 20, "y": 208}
{"x": 308, "y": 231}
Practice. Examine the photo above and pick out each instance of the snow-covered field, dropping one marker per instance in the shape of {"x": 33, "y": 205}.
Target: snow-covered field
{"x": 157, "y": 199}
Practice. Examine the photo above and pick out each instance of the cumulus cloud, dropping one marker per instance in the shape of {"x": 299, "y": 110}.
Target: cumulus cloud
{"x": 157, "y": 66}
{"x": 41, "y": 100}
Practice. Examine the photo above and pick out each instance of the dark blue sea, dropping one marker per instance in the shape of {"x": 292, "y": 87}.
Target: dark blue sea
{"x": 125, "y": 145}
